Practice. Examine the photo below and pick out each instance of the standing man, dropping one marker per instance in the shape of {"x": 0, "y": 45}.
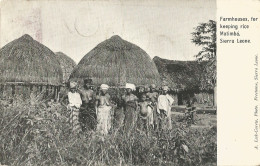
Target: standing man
{"x": 165, "y": 102}
{"x": 88, "y": 116}
{"x": 73, "y": 106}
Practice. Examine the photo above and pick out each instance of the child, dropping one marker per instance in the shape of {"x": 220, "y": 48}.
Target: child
{"x": 152, "y": 97}
{"x": 146, "y": 113}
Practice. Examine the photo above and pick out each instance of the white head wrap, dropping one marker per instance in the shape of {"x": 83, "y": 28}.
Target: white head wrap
{"x": 73, "y": 84}
{"x": 104, "y": 86}
{"x": 166, "y": 88}
{"x": 130, "y": 86}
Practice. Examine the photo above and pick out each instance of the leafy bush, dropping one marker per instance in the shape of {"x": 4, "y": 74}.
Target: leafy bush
{"x": 40, "y": 134}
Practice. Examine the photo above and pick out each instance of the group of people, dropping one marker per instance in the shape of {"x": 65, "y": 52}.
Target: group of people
{"x": 143, "y": 108}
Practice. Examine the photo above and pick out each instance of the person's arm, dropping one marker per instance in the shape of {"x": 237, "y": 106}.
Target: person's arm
{"x": 80, "y": 101}
{"x": 136, "y": 103}
{"x": 80, "y": 91}
{"x": 123, "y": 97}
{"x": 96, "y": 103}
{"x": 136, "y": 100}
{"x": 170, "y": 99}
{"x": 94, "y": 95}
{"x": 109, "y": 100}
{"x": 150, "y": 105}
{"x": 153, "y": 99}
{"x": 82, "y": 96}
{"x": 158, "y": 104}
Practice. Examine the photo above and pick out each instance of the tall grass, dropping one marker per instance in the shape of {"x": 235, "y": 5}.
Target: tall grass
{"x": 40, "y": 134}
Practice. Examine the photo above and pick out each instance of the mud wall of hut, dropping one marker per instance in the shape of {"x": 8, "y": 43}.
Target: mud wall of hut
{"x": 28, "y": 91}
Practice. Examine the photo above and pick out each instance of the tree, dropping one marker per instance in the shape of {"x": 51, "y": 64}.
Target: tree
{"x": 205, "y": 37}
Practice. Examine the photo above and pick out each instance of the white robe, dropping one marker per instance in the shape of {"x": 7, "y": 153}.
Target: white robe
{"x": 164, "y": 103}
{"x": 74, "y": 104}
{"x": 74, "y": 99}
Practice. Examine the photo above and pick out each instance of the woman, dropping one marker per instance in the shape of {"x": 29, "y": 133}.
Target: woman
{"x": 103, "y": 109}
{"x": 130, "y": 107}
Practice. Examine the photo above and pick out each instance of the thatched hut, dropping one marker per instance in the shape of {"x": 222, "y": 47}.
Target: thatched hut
{"x": 27, "y": 64}
{"x": 67, "y": 65}
{"x": 184, "y": 78}
{"x": 116, "y": 61}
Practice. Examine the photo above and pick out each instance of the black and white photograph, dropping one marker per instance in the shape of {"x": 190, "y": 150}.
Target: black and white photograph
{"x": 107, "y": 82}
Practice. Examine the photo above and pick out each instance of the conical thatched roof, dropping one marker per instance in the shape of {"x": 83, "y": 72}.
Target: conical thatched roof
{"x": 180, "y": 75}
{"x": 67, "y": 65}
{"x": 25, "y": 60}
{"x": 115, "y": 62}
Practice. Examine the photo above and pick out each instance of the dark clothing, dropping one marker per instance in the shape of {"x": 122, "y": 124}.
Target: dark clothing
{"x": 118, "y": 117}
{"x": 130, "y": 115}
{"x": 87, "y": 116}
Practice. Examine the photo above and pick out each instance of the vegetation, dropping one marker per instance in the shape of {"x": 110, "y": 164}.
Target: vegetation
{"x": 205, "y": 36}
{"x": 38, "y": 133}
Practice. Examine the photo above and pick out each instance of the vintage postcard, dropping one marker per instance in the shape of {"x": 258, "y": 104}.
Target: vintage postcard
{"x": 134, "y": 82}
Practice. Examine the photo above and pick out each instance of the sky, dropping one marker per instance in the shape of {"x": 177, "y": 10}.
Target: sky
{"x": 160, "y": 27}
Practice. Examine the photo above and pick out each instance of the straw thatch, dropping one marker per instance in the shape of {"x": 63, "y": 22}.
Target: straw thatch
{"x": 67, "y": 65}
{"x": 115, "y": 62}
{"x": 180, "y": 75}
{"x": 27, "y": 61}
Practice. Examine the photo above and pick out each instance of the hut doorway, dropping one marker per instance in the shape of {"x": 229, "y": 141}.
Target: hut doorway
{"x": 185, "y": 97}
{"x": 180, "y": 98}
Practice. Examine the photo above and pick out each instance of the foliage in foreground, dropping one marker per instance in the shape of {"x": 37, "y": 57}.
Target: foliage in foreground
{"x": 40, "y": 134}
